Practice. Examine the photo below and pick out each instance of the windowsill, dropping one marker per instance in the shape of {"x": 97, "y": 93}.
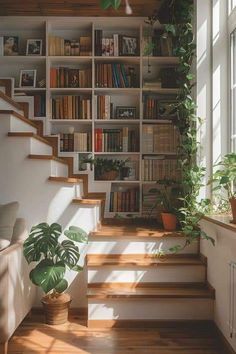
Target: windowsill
{"x": 221, "y": 220}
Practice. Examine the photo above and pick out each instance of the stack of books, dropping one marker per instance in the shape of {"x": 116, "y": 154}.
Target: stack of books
{"x": 83, "y": 142}
{"x": 115, "y": 75}
{"x": 71, "y": 107}
{"x": 75, "y": 47}
{"x": 160, "y": 139}
{"x": 155, "y": 168}
{"x": 150, "y": 108}
{"x": 66, "y": 142}
{"x": 64, "y": 77}
{"x": 127, "y": 201}
{"x": 116, "y": 140}
{"x": 39, "y": 105}
{"x": 103, "y": 107}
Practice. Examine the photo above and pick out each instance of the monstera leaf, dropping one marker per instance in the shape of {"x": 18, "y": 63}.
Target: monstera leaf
{"x": 76, "y": 234}
{"x": 42, "y": 240}
{"x": 48, "y": 275}
{"x": 62, "y": 286}
{"x": 68, "y": 253}
{"x": 105, "y": 4}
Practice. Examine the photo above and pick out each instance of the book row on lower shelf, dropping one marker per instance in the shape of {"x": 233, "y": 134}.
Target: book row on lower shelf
{"x": 160, "y": 139}
{"x": 71, "y": 107}
{"x": 116, "y": 75}
{"x": 125, "y": 201}
{"x": 154, "y": 169}
{"x": 81, "y": 142}
{"x": 64, "y": 77}
{"x": 116, "y": 140}
{"x": 81, "y": 46}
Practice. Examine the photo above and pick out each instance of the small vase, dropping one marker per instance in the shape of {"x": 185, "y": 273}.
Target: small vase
{"x": 233, "y": 208}
{"x": 169, "y": 221}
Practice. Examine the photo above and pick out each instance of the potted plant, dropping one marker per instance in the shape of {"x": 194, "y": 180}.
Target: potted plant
{"x": 167, "y": 197}
{"x": 224, "y": 178}
{"x": 53, "y": 256}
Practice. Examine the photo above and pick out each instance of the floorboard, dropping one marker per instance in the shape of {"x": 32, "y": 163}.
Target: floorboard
{"x": 35, "y": 337}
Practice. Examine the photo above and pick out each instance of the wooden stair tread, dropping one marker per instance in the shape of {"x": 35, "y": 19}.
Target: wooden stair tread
{"x": 69, "y": 180}
{"x": 134, "y": 231}
{"x": 125, "y": 292}
{"x": 19, "y": 116}
{"x": 86, "y": 201}
{"x": 29, "y": 135}
{"x": 47, "y": 157}
{"x": 10, "y": 101}
{"x": 143, "y": 260}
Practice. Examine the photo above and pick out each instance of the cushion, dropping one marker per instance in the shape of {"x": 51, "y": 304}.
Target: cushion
{"x": 8, "y": 214}
{"x": 4, "y": 243}
{"x": 19, "y": 231}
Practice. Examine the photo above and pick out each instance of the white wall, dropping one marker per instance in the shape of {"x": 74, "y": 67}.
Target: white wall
{"x": 219, "y": 258}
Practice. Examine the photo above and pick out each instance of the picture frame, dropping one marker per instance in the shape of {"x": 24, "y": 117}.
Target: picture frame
{"x": 28, "y": 78}
{"x": 34, "y": 47}
{"x": 10, "y": 45}
{"x": 124, "y": 112}
{"x": 129, "y": 46}
{"x": 166, "y": 109}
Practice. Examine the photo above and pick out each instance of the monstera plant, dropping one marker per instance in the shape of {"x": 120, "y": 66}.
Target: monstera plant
{"x": 54, "y": 253}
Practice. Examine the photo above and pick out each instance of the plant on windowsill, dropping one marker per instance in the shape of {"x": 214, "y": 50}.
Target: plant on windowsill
{"x": 224, "y": 180}
{"x": 54, "y": 255}
{"x": 168, "y": 198}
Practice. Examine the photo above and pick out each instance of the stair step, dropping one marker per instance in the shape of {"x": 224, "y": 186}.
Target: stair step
{"x": 47, "y": 157}
{"x": 69, "y": 180}
{"x": 121, "y": 291}
{"x": 143, "y": 260}
{"x": 134, "y": 231}
{"x": 19, "y": 116}
{"x": 29, "y": 135}
{"x": 87, "y": 201}
{"x": 10, "y": 101}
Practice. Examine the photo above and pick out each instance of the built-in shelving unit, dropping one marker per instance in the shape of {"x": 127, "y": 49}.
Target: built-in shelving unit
{"x": 146, "y": 68}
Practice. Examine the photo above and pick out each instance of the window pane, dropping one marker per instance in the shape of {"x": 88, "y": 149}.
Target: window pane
{"x": 233, "y": 91}
{"x": 232, "y": 4}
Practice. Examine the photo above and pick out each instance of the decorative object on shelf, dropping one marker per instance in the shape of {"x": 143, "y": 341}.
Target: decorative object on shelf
{"x": 28, "y": 78}
{"x": 107, "y": 169}
{"x": 167, "y": 197}
{"x": 224, "y": 179}
{"x": 53, "y": 257}
{"x": 11, "y": 45}
{"x": 34, "y": 47}
{"x": 166, "y": 109}
{"x": 123, "y": 112}
{"x": 129, "y": 46}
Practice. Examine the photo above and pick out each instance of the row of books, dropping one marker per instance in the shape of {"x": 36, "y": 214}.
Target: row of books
{"x": 39, "y": 106}
{"x": 154, "y": 169}
{"x": 74, "y": 47}
{"x": 115, "y": 75}
{"x": 126, "y": 201}
{"x": 115, "y": 45}
{"x": 70, "y": 78}
{"x": 153, "y": 108}
{"x": 161, "y": 139}
{"x": 71, "y": 107}
{"x": 75, "y": 142}
{"x": 103, "y": 107}
{"x": 116, "y": 140}
{"x": 150, "y": 207}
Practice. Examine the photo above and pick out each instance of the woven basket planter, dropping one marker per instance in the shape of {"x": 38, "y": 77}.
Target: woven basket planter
{"x": 108, "y": 176}
{"x": 56, "y": 309}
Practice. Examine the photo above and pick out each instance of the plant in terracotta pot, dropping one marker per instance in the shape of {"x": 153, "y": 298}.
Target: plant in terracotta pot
{"x": 224, "y": 179}
{"x": 167, "y": 198}
{"x": 54, "y": 253}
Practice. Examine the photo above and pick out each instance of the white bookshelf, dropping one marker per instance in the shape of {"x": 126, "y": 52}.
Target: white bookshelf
{"x": 71, "y": 28}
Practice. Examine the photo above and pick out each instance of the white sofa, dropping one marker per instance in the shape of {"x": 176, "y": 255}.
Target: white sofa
{"x": 17, "y": 294}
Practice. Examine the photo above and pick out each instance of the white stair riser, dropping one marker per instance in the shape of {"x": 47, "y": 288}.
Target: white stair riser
{"x": 58, "y": 169}
{"x": 126, "y": 245}
{"x": 38, "y": 147}
{"x": 17, "y": 125}
{"x": 108, "y": 274}
{"x": 150, "y": 309}
{"x": 9, "y": 107}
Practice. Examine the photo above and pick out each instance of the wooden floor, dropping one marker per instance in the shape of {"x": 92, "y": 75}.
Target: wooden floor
{"x": 34, "y": 337}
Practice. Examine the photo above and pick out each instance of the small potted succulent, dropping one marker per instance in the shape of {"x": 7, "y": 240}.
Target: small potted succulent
{"x": 167, "y": 198}
{"x": 54, "y": 254}
{"x": 224, "y": 179}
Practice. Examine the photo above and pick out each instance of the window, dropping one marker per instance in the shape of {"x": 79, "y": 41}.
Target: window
{"x": 232, "y": 4}
{"x": 233, "y": 91}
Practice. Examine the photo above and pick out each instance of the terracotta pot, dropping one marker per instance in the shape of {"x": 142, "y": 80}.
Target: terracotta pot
{"x": 56, "y": 308}
{"x": 169, "y": 221}
{"x": 233, "y": 208}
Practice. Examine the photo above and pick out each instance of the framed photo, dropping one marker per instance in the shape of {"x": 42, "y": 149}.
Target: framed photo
{"x": 27, "y": 78}
{"x": 129, "y": 46}
{"x": 125, "y": 112}
{"x": 167, "y": 109}
{"x": 11, "y": 45}
{"x": 34, "y": 47}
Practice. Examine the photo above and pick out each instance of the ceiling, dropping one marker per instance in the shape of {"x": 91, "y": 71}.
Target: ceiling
{"x": 73, "y": 8}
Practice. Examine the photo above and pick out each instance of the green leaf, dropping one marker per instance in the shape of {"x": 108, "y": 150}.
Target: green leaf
{"x": 105, "y": 4}
{"x": 68, "y": 253}
{"x": 77, "y": 268}
{"x": 42, "y": 240}
{"x": 62, "y": 286}
{"x": 116, "y": 4}
{"x": 76, "y": 234}
{"x": 48, "y": 275}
